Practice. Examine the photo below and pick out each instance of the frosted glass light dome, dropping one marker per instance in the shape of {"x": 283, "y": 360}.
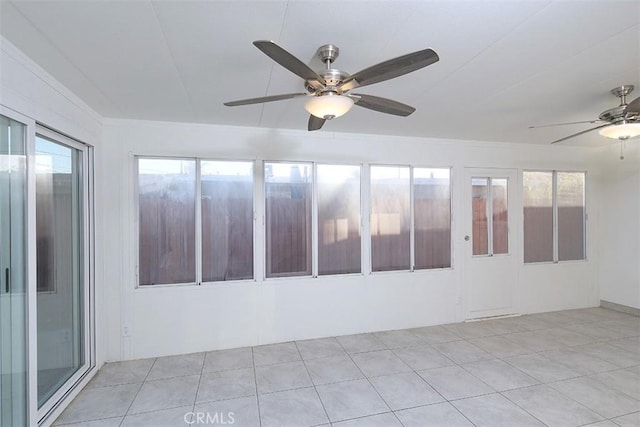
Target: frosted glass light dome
{"x": 329, "y": 105}
{"x": 621, "y": 131}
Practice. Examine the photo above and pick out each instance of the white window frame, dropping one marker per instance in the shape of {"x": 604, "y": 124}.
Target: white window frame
{"x": 412, "y": 254}
{"x": 198, "y": 221}
{"x": 554, "y": 210}
{"x": 254, "y": 185}
{"x": 314, "y": 220}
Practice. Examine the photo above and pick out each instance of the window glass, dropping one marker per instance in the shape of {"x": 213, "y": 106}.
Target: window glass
{"x": 288, "y": 219}
{"x": 390, "y": 218}
{"x": 60, "y": 259}
{"x": 166, "y": 205}
{"x": 571, "y": 215}
{"x": 227, "y": 220}
{"x": 480, "y": 225}
{"x": 338, "y": 190}
{"x": 432, "y": 218}
{"x": 500, "y": 216}
{"x": 538, "y": 216}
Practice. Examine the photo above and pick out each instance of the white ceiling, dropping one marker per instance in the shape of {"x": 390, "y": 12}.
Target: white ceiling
{"x": 504, "y": 65}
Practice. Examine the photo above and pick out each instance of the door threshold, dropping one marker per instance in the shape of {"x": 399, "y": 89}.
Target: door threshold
{"x": 500, "y": 316}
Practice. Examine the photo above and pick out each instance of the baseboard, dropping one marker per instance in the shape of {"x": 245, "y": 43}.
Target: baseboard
{"x": 621, "y": 308}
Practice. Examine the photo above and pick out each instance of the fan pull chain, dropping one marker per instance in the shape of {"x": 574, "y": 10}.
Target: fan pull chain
{"x": 622, "y": 141}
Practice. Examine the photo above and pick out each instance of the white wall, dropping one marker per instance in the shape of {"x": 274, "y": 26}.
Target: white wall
{"x": 175, "y": 320}
{"x": 619, "y": 225}
{"x": 182, "y": 319}
{"x": 29, "y": 90}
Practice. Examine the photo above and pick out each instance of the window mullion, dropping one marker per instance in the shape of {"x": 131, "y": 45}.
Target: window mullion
{"x": 198, "y": 224}
{"x": 554, "y": 201}
{"x": 489, "y": 209}
{"x": 412, "y": 240}
{"x": 365, "y": 219}
{"x": 314, "y": 220}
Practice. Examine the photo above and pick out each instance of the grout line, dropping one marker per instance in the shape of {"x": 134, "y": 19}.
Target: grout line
{"x": 311, "y": 379}
{"x": 195, "y": 398}
{"x": 138, "y": 392}
{"x": 369, "y": 381}
{"x": 255, "y": 380}
{"x": 393, "y": 350}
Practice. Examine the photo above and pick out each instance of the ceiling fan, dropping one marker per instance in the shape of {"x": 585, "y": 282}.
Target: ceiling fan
{"x": 329, "y": 90}
{"x": 621, "y": 122}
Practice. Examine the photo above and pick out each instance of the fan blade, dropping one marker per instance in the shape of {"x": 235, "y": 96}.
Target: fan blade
{"x": 633, "y": 107}
{"x": 383, "y": 105}
{"x": 289, "y": 62}
{"x": 263, "y": 99}
{"x": 315, "y": 123}
{"x": 563, "y": 124}
{"x": 580, "y": 133}
{"x": 392, "y": 68}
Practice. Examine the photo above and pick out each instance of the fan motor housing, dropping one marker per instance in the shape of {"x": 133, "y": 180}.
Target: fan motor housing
{"x": 332, "y": 78}
{"x": 613, "y": 114}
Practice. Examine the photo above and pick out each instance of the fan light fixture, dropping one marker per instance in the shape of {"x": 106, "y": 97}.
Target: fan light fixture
{"x": 328, "y": 105}
{"x": 621, "y": 131}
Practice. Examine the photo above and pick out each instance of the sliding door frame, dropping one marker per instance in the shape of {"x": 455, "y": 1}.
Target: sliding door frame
{"x": 30, "y": 285}
{"x": 88, "y": 273}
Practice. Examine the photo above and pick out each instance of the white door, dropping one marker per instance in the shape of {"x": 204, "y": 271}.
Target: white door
{"x": 491, "y": 264}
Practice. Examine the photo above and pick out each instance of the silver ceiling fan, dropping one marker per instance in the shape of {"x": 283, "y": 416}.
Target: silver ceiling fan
{"x": 621, "y": 122}
{"x": 329, "y": 90}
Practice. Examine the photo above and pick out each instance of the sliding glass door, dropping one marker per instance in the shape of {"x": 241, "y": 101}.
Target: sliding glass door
{"x": 13, "y": 284}
{"x": 62, "y": 263}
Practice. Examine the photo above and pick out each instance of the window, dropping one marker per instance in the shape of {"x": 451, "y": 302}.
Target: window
{"x": 394, "y": 190}
{"x": 312, "y": 219}
{"x": 339, "y": 243}
{"x": 170, "y": 232}
{"x": 167, "y": 221}
{"x": 288, "y": 219}
{"x": 490, "y": 202}
{"x": 432, "y": 218}
{"x": 538, "y": 216}
{"x": 227, "y": 220}
{"x": 554, "y": 216}
{"x": 571, "y": 215}
{"x": 62, "y": 233}
{"x": 390, "y": 218}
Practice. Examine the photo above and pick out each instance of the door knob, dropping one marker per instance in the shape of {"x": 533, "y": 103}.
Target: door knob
{"x": 466, "y": 238}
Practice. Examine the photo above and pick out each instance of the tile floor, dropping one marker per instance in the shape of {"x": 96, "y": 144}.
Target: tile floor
{"x": 568, "y": 368}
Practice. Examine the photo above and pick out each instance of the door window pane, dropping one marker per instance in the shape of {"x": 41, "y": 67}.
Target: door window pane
{"x": 571, "y": 215}
{"x": 538, "y": 216}
{"x": 338, "y": 190}
{"x": 432, "y": 218}
{"x": 500, "y": 216}
{"x": 166, "y": 204}
{"x": 390, "y": 218}
{"x": 60, "y": 264}
{"x": 288, "y": 219}
{"x": 13, "y": 285}
{"x": 227, "y": 220}
{"x": 480, "y": 225}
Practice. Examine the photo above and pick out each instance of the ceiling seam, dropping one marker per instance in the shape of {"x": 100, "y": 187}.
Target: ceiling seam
{"x": 57, "y": 49}
{"x": 173, "y": 59}
{"x": 486, "y": 48}
{"x": 557, "y": 64}
{"x": 284, "y": 18}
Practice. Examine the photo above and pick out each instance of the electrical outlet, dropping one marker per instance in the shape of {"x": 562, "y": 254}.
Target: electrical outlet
{"x": 126, "y": 330}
